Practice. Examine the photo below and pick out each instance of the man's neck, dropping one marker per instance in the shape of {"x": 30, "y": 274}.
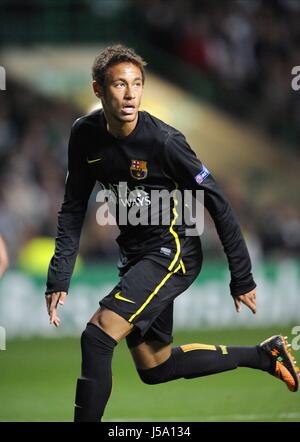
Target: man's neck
{"x": 120, "y": 130}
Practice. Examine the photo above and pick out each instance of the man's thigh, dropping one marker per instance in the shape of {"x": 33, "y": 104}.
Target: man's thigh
{"x": 154, "y": 347}
{"x": 150, "y": 354}
{"x": 112, "y": 323}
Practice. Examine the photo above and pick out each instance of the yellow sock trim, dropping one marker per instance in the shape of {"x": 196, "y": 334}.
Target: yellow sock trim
{"x": 224, "y": 349}
{"x": 191, "y": 347}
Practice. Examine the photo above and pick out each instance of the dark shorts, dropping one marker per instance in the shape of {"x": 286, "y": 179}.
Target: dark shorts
{"x": 146, "y": 291}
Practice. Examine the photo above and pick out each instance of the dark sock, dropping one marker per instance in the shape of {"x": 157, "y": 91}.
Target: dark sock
{"x": 195, "y": 360}
{"x": 94, "y": 386}
{"x": 252, "y": 357}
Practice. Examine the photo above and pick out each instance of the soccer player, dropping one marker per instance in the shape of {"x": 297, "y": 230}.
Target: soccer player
{"x": 121, "y": 144}
{"x": 4, "y": 261}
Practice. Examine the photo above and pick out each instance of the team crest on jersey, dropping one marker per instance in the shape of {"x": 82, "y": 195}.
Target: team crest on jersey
{"x": 138, "y": 169}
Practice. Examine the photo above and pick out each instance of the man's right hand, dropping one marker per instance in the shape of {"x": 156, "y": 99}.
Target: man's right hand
{"x": 52, "y": 301}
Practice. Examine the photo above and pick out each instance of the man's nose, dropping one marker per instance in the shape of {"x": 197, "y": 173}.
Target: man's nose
{"x": 129, "y": 93}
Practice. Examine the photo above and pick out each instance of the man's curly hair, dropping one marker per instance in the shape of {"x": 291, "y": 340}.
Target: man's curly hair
{"x": 113, "y": 55}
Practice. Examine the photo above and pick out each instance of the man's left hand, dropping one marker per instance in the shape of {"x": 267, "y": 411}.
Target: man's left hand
{"x": 249, "y": 299}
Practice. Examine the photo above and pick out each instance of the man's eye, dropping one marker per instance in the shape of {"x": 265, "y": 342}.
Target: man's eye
{"x": 120, "y": 85}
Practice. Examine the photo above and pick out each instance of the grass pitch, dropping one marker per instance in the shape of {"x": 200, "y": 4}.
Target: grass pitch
{"x": 38, "y": 378}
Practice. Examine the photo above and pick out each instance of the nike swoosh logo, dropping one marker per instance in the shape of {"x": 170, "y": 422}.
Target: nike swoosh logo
{"x": 93, "y": 161}
{"x": 118, "y": 296}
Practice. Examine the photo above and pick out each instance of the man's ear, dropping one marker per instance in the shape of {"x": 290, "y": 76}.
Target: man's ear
{"x": 97, "y": 89}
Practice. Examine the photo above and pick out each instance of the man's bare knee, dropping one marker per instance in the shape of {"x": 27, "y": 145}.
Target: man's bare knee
{"x": 112, "y": 323}
{"x": 150, "y": 354}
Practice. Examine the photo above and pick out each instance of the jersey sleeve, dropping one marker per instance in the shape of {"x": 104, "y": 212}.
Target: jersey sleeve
{"x": 78, "y": 188}
{"x": 186, "y": 169}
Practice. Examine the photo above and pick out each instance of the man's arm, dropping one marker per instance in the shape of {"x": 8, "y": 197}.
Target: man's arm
{"x": 4, "y": 261}
{"x": 185, "y": 166}
{"x": 78, "y": 188}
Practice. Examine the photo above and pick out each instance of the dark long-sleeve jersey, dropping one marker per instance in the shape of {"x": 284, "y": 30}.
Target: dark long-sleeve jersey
{"x": 154, "y": 156}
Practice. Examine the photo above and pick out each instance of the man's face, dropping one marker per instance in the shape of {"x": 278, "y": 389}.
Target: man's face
{"x": 122, "y": 94}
